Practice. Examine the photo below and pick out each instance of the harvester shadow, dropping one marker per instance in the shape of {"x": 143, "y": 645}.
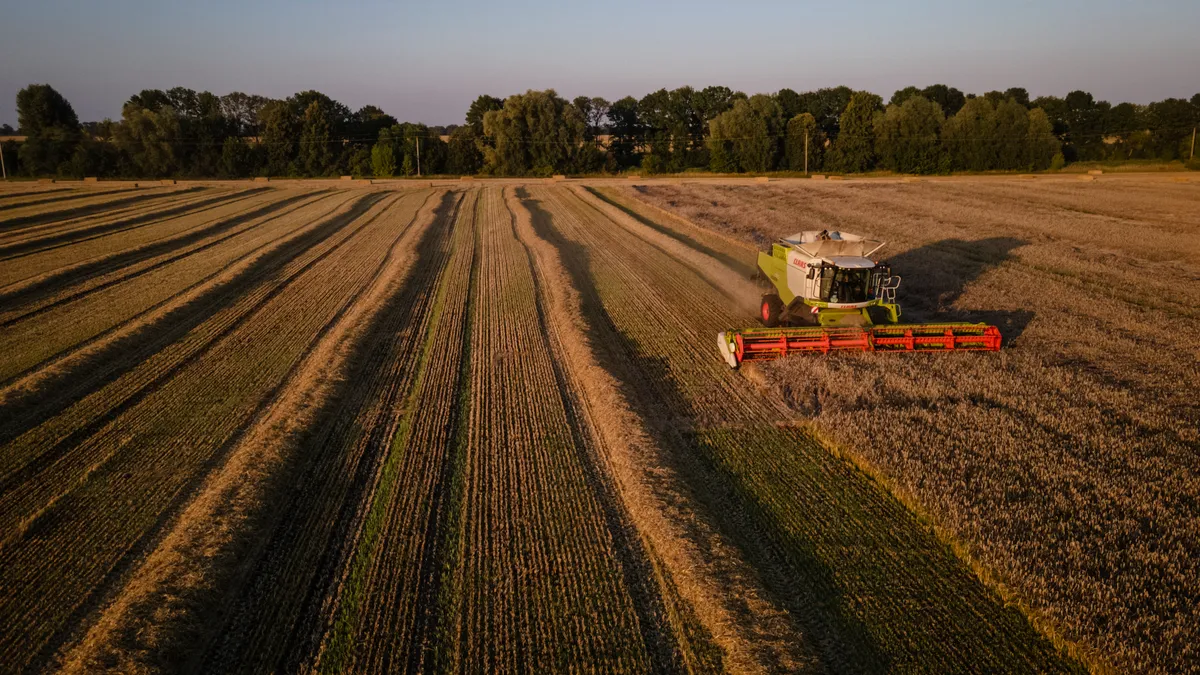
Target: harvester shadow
{"x": 936, "y": 275}
{"x": 796, "y": 583}
{"x": 57, "y": 392}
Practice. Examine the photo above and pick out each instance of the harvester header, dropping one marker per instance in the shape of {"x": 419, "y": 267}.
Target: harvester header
{"x": 827, "y": 294}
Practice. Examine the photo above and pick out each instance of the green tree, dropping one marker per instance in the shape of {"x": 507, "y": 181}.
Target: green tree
{"x": 279, "y": 126}
{"x": 536, "y": 132}
{"x": 315, "y": 152}
{"x": 480, "y": 107}
{"x": 150, "y": 139}
{"x": 903, "y": 95}
{"x": 1084, "y": 118}
{"x": 951, "y": 99}
{"x": 906, "y": 136}
{"x": 854, "y": 148}
{"x": 746, "y": 138}
{"x": 1012, "y": 135}
{"x": 625, "y": 132}
{"x": 1171, "y": 122}
{"x": 1018, "y": 94}
{"x": 50, "y": 126}
{"x": 969, "y": 136}
{"x": 337, "y": 115}
{"x": 463, "y": 157}
{"x": 359, "y": 162}
{"x": 800, "y": 128}
{"x": 710, "y": 102}
{"x": 593, "y": 110}
{"x": 368, "y": 121}
{"x": 241, "y": 110}
{"x": 1043, "y": 145}
{"x": 826, "y": 106}
{"x": 790, "y": 103}
{"x": 236, "y": 159}
{"x": 383, "y": 156}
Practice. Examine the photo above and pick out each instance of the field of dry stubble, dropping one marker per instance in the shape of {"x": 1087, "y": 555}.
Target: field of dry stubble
{"x": 484, "y": 427}
{"x": 1064, "y": 466}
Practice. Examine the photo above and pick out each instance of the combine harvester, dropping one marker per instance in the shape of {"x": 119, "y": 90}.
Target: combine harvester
{"x": 832, "y": 296}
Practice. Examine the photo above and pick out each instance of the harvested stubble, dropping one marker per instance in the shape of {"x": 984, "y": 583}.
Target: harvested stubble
{"x": 850, "y": 561}
{"x": 1064, "y": 465}
{"x": 60, "y": 237}
{"x": 544, "y": 544}
{"x": 25, "y": 200}
{"x": 49, "y": 217}
{"x": 173, "y": 599}
{"x": 81, "y": 502}
{"x": 302, "y": 559}
{"x": 70, "y": 308}
{"x": 37, "y": 258}
{"x": 388, "y": 609}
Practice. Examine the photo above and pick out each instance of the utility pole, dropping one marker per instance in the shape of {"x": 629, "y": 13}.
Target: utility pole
{"x": 805, "y": 152}
{"x": 1193, "y": 155}
{"x": 5, "y": 170}
{"x": 418, "y": 157}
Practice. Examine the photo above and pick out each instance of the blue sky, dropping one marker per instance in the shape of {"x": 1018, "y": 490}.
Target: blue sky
{"x": 425, "y": 62}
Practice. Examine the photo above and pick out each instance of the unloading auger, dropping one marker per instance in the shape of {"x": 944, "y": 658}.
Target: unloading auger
{"x": 830, "y": 295}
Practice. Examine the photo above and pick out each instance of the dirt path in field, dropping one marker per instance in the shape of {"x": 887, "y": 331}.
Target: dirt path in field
{"x": 162, "y": 600}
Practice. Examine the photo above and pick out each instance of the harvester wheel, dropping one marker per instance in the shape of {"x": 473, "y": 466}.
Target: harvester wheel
{"x": 770, "y": 310}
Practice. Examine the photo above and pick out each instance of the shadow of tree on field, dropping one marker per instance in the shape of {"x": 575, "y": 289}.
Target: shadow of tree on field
{"x": 936, "y": 275}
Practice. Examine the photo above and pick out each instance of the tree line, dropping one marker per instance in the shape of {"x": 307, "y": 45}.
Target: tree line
{"x": 938, "y": 129}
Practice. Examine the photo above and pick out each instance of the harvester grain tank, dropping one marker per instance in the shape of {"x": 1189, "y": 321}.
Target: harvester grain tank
{"x": 828, "y": 294}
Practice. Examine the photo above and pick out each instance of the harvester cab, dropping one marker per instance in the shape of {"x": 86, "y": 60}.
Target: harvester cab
{"x": 826, "y": 293}
{"x": 827, "y": 278}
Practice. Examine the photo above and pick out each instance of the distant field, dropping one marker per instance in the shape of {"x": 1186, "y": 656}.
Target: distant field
{"x": 484, "y": 427}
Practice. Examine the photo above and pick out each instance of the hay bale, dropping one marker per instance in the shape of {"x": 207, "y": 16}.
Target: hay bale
{"x": 1087, "y": 177}
{"x": 633, "y": 176}
{"x": 1027, "y": 176}
{"x": 817, "y": 176}
{"x": 559, "y": 176}
{"x": 836, "y": 178}
{"x": 347, "y": 177}
{"x": 261, "y": 179}
{"x": 168, "y": 181}
{"x": 1180, "y": 179}
{"x": 89, "y": 179}
{"x": 762, "y": 179}
{"x": 467, "y": 178}
{"x": 910, "y": 179}
{"x": 1096, "y": 172}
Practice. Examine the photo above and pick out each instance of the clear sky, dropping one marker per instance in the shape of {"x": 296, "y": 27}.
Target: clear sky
{"x": 425, "y": 62}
